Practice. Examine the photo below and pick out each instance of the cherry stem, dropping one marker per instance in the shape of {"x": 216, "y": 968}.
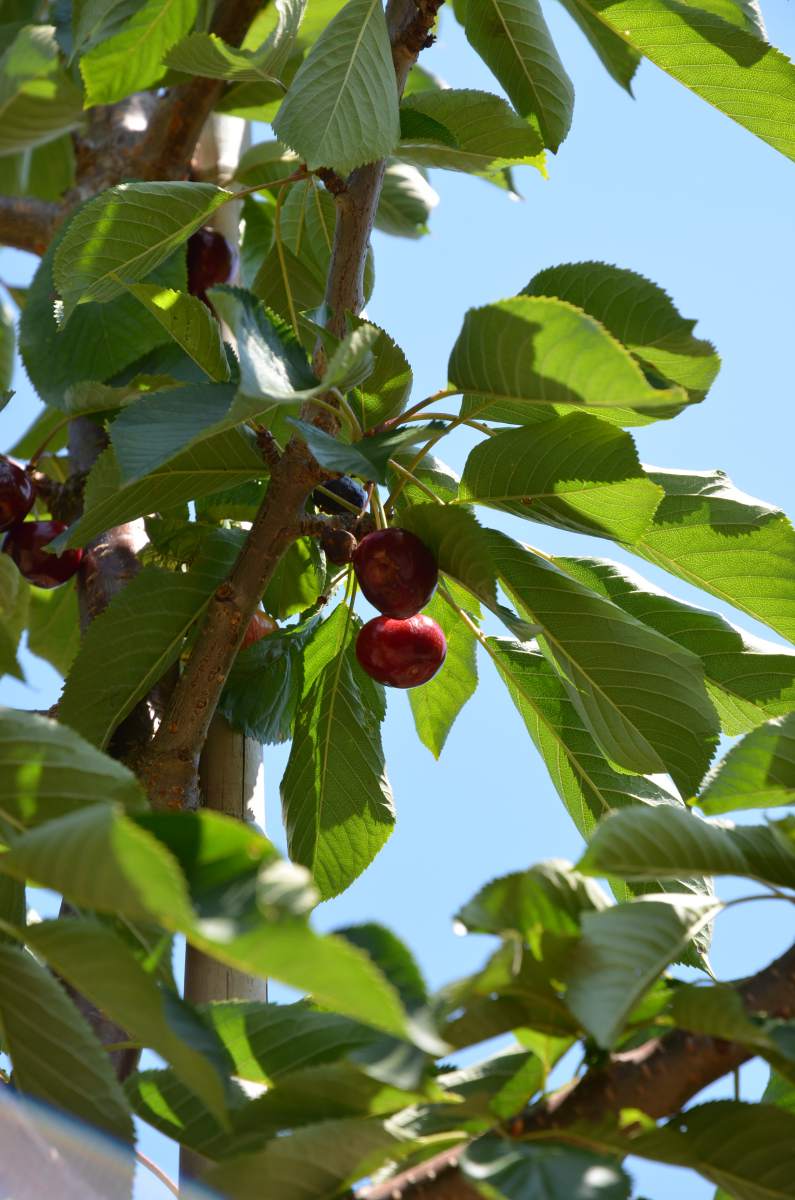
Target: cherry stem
{"x": 409, "y": 477}
{"x": 157, "y": 1172}
{"x": 277, "y": 237}
{"x": 417, "y": 408}
{"x": 296, "y": 177}
{"x": 377, "y": 509}
{"x": 346, "y": 410}
{"x": 36, "y": 455}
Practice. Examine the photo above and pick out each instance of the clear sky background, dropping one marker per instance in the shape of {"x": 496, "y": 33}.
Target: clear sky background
{"x": 663, "y": 185}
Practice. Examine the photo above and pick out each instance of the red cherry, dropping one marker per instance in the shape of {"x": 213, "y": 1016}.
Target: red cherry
{"x": 211, "y": 260}
{"x": 17, "y": 493}
{"x": 401, "y": 654}
{"x": 260, "y": 626}
{"x": 396, "y": 571}
{"x": 25, "y": 544}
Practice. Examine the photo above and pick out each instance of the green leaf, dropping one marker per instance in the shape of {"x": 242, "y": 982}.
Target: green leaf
{"x": 265, "y": 685}
{"x": 575, "y": 472}
{"x": 548, "y": 898}
{"x": 14, "y": 602}
{"x": 271, "y": 364}
{"x": 13, "y": 907}
{"x": 297, "y": 581}
{"x": 464, "y": 130}
{"x": 367, "y": 458}
{"x": 190, "y": 323}
{"x": 215, "y": 465}
{"x": 642, "y": 843}
{"x": 639, "y": 314}
{"x": 97, "y": 963}
{"x": 458, "y": 544}
{"x": 586, "y": 782}
{"x": 405, "y": 203}
{"x": 95, "y": 701}
{"x": 162, "y": 1100}
{"x": 748, "y": 679}
{"x": 132, "y": 59}
{"x": 341, "y": 109}
{"x": 383, "y": 394}
{"x": 209, "y": 56}
{"x": 517, "y": 354}
{"x": 46, "y": 770}
{"x": 748, "y": 1149}
{"x": 498, "y": 1167}
{"x": 619, "y": 59}
{"x": 759, "y": 772}
{"x": 392, "y": 957}
{"x": 103, "y": 339}
{"x": 672, "y": 728}
{"x": 267, "y": 1042}
{"x": 315, "y": 1162}
{"x": 122, "y": 235}
{"x": 163, "y": 424}
{"x": 337, "y": 803}
{"x": 218, "y": 882}
{"x": 56, "y": 1057}
{"x": 54, "y": 626}
{"x": 38, "y": 100}
{"x": 45, "y": 425}
{"x": 717, "y": 538}
{"x": 94, "y": 21}
{"x": 257, "y": 237}
{"x": 717, "y": 1011}
{"x": 436, "y": 705}
{"x": 7, "y": 345}
{"x": 720, "y": 62}
{"x": 512, "y": 38}
{"x": 622, "y": 951}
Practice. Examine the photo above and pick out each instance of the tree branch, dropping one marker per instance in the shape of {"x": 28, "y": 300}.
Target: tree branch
{"x": 169, "y": 770}
{"x": 170, "y": 767}
{"x": 658, "y": 1078}
{"x": 27, "y": 223}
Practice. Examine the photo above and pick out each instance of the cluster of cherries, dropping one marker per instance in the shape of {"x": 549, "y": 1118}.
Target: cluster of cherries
{"x": 26, "y": 541}
{"x": 398, "y": 575}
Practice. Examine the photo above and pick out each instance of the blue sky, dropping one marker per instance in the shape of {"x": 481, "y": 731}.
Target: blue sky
{"x": 666, "y": 186}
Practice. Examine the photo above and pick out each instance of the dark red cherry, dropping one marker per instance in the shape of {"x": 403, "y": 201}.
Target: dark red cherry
{"x": 26, "y": 543}
{"x": 396, "y": 571}
{"x": 17, "y": 493}
{"x": 401, "y": 654}
{"x": 211, "y": 260}
{"x": 260, "y": 626}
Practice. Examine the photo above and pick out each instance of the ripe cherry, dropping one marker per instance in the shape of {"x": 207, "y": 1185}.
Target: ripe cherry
{"x": 17, "y": 493}
{"x": 347, "y": 489}
{"x": 26, "y": 543}
{"x": 260, "y": 626}
{"x": 396, "y": 571}
{"x": 401, "y": 654}
{"x": 211, "y": 260}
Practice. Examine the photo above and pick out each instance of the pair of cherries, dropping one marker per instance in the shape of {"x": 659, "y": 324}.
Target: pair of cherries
{"x": 26, "y": 541}
{"x": 398, "y": 575}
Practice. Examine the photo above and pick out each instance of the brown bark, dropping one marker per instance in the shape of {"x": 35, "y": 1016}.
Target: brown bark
{"x": 658, "y": 1078}
{"x": 27, "y": 223}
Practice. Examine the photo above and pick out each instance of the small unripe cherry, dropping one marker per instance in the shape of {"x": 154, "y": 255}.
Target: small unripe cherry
{"x": 211, "y": 260}
{"x": 260, "y": 626}
{"x": 17, "y": 493}
{"x": 347, "y": 489}
{"x": 26, "y": 543}
{"x": 338, "y": 546}
{"x": 401, "y": 654}
{"x": 396, "y": 571}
